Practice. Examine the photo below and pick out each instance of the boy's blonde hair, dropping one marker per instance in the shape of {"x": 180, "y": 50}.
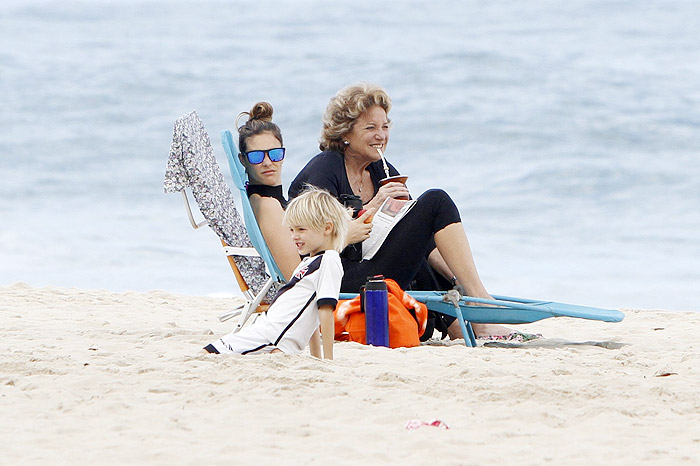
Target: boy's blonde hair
{"x": 313, "y": 208}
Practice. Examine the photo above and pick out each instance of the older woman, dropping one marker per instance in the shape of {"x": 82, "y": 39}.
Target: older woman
{"x": 355, "y": 130}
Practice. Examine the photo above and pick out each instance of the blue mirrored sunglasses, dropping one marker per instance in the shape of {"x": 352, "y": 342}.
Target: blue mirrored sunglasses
{"x": 257, "y": 156}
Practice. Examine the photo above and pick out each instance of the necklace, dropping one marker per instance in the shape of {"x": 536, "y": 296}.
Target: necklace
{"x": 362, "y": 180}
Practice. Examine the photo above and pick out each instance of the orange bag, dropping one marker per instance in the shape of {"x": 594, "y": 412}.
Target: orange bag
{"x": 404, "y": 329}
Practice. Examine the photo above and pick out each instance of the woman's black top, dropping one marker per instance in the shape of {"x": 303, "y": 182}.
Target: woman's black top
{"x": 264, "y": 190}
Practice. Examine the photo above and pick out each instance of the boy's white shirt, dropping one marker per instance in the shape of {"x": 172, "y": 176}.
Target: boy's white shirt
{"x": 297, "y": 305}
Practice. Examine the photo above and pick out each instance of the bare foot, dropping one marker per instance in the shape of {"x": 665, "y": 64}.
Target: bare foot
{"x": 480, "y": 330}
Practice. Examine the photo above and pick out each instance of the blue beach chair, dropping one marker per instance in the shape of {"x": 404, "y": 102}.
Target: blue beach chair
{"x": 240, "y": 179}
{"x": 465, "y": 309}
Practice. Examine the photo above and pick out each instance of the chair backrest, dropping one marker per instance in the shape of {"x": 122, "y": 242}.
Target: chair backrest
{"x": 240, "y": 179}
{"x": 191, "y": 164}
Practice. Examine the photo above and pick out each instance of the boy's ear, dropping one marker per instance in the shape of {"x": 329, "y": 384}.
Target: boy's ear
{"x": 328, "y": 228}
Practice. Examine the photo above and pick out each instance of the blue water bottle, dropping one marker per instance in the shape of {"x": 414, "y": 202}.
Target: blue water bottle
{"x": 376, "y": 304}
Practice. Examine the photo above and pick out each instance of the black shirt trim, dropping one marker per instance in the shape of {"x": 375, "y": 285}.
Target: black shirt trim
{"x": 327, "y": 302}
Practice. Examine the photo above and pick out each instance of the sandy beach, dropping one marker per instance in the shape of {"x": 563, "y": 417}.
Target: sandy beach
{"x": 97, "y": 377}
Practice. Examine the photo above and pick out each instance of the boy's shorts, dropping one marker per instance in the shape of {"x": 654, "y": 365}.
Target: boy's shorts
{"x": 249, "y": 340}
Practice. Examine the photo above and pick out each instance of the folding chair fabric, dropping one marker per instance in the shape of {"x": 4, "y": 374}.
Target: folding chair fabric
{"x": 191, "y": 164}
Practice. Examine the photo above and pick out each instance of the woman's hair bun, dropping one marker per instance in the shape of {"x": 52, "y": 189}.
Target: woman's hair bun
{"x": 259, "y": 121}
{"x": 261, "y": 111}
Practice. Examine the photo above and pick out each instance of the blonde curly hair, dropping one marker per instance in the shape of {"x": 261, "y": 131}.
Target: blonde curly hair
{"x": 345, "y": 107}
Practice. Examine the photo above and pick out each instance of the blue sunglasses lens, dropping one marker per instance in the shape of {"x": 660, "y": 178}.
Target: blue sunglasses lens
{"x": 257, "y": 156}
{"x": 276, "y": 154}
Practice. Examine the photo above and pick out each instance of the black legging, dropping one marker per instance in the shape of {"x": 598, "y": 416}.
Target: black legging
{"x": 405, "y": 249}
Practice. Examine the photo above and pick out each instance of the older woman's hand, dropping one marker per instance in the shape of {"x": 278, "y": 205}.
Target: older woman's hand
{"x": 394, "y": 190}
{"x": 359, "y": 228}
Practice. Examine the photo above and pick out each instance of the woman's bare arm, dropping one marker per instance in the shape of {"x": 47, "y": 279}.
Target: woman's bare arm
{"x": 269, "y": 214}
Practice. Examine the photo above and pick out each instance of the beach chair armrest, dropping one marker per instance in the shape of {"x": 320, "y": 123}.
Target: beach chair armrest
{"x": 190, "y": 215}
{"x": 236, "y": 251}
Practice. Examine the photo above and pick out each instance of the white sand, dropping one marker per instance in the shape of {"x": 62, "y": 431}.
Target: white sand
{"x": 95, "y": 377}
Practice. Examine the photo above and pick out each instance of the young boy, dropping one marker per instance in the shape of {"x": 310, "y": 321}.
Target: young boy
{"x": 318, "y": 224}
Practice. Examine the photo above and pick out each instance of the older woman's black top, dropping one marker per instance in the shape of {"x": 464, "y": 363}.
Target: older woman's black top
{"x": 327, "y": 171}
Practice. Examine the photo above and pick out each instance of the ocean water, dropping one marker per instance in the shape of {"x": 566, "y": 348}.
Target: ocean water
{"x": 567, "y": 132}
